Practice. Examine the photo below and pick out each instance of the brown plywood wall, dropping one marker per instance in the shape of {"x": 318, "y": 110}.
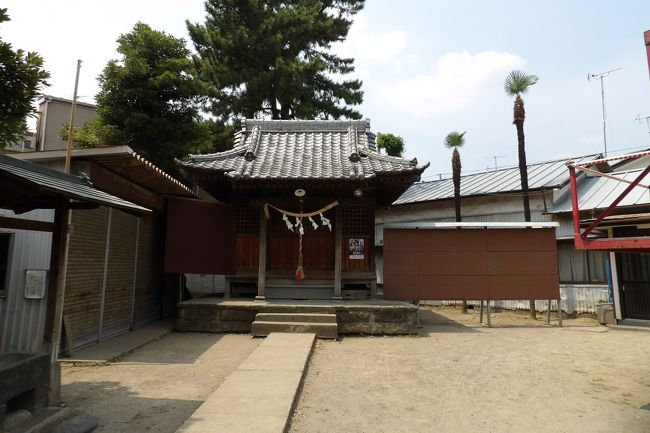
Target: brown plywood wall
{"x": 470, "y": 264}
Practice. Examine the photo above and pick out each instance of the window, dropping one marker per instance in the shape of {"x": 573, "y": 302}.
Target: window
{"x": 581, "y": 267}
{"x": 5, "y": 242}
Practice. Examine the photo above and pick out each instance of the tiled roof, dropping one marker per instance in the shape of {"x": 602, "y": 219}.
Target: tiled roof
{"x": 123, "y": 161}
{"x": 52, "y": 185}
{"x": 301, "y": 149}
{"x": 597, "y": 192}
{"x": 549, "y": 174}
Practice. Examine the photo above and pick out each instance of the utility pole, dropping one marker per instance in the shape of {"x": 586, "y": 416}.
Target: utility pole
{"x": 72, "y": 112}
{"x": 602, "y": 95}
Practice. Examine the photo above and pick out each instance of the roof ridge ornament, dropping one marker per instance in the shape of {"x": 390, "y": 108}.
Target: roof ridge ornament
{"x": 251, "y": 151}
{"x": 353, "y": 140}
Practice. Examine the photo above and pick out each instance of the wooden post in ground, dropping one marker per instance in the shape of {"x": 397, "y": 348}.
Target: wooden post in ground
{"x": 489, "y": 318}
{"x": 55, "y": 299}
{"x": 481, "y": 319}
{"x": 559, "y": 311}
{"x": 548, "y": 312}
{"x": 261, "y": 272}
{"x": 338, "y": 240}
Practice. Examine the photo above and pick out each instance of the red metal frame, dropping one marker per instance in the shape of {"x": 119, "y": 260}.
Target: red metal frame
{"x": 604, "y": 244}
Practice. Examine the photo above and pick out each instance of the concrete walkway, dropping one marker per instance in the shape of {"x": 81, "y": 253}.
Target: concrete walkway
{"x": 259, "y": 395}
{"x": 117, "y": 346}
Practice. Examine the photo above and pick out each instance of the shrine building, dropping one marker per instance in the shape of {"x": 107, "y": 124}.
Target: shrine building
{"x": 304, "y": 194}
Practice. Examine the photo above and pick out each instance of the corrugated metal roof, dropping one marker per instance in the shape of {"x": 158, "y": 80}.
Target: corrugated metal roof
{"x": 597, "y": 192}
{"x": 53, "y": 184}
{"x": 550, "y": 174}
{"x": 123, "y": 161}
{"x": 295, "y": 149}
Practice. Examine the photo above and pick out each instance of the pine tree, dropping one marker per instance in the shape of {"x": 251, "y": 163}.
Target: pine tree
{"x": 271, "y": 58}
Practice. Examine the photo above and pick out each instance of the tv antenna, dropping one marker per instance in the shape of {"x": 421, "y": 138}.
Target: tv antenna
{"x": 495, "y": 157}
{"x": 602, "y": 95}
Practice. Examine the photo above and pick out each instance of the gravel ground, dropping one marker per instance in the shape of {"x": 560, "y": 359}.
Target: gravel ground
{"x": 456, "y": 376}
{"x": 158, "y": 386}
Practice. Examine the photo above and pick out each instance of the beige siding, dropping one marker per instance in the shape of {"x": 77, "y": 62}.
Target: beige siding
{"x": 119, "y": 279}
{"x": 85, "y": 273}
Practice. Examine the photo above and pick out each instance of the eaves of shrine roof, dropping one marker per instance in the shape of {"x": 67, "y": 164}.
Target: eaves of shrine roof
{"x": 301, "y": 150}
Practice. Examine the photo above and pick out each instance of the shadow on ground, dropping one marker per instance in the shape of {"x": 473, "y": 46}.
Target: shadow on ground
{"x": 174, "y": 348}
{"x": 432, "y": 322}
{"x": 121, "y": 410}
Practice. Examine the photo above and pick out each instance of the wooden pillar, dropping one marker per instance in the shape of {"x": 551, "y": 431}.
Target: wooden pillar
{"x": 56, "y": 297}
{"x": 338, "y": 240}
{"x": 261, "y": 271}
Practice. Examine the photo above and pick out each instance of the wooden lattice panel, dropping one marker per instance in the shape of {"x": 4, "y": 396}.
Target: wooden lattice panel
{"x": 248, "y": 220}
{"x": 357, "y": 221}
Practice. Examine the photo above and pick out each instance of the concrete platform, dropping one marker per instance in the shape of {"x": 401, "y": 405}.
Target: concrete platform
{"x": 259, "y": 396}
{"x": 117, "y": 346}
{"x": 371, "y": 317}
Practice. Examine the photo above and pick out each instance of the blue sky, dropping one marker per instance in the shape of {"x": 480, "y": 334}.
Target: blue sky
{"x": 428, "y": 67}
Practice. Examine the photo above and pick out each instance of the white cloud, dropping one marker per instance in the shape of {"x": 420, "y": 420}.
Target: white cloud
{"x": 363, "y": 44}
{"x": 457, "y": 81}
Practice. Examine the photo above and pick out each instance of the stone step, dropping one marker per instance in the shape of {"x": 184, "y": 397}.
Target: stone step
{"x": 296, "y": 317}
{"x": 262, "y": 328}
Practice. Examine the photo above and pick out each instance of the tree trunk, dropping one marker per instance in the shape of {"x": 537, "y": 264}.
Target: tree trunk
{"x": 523, "y": 173}
{"x": 455, "y": 168}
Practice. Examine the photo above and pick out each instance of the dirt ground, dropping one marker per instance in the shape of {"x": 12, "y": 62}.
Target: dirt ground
{"x": 158, "y": 386}
{"x": 457, "y": 376}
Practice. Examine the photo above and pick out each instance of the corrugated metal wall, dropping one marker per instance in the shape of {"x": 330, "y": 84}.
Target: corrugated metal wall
{"x": 148, "y": 288}
{"x": 22, "y": 320}
{"x": 95, "y": 280}
{"x": 205, "y": 284}
{"x": 575, "y": 299}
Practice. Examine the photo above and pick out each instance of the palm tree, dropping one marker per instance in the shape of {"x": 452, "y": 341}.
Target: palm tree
{"x": 455, "y": 140}
{"x": 517, "y": 83}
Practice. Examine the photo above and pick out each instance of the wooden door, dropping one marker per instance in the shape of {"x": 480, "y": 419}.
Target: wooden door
{"x": 317, "y": 246}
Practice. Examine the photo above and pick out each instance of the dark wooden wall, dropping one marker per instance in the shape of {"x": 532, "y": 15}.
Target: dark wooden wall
{"x": 470, "y": 264}
{"x": 200, "y": 238}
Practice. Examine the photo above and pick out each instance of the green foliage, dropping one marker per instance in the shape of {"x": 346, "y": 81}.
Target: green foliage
{"x": 517, "y": 82}
{"x": 392, "y": 144}
{"x": 455, "y": 139}
{"x": 151, "y": 96}
{"x": 272, "y": 58}
{"x": 92, "y": 134}
{"x": 22, "y": 77}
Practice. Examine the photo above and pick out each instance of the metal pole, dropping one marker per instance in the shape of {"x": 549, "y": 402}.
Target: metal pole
{"x": 481, "y": 318}
{"x": 107, "y": 251}
{"x": 489, "y": 319}
{"x": 72, "y": 112}
{"x": 135, "y": 272}
{"x": 548, "y": 312}
{"x": 559, "y": 310}
{"x": 602, "y": 94}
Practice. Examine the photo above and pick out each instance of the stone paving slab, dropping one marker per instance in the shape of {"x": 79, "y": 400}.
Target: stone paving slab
{"x": 259, "y": 395}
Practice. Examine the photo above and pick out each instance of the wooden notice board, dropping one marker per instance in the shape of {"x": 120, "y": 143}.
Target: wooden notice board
{"x": 470, "y": 264}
